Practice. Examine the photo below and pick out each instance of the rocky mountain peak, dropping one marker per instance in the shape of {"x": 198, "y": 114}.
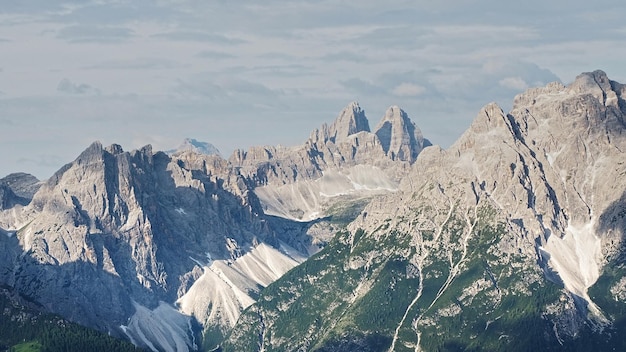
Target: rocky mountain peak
{"x": 528, "y": 206}
{"x": 22, "y": 184}
{"x": 94, "y": 150}
{"x": 350, "y": 121}
{"x": 591, "y": 82}
{"x": 8, "y": 199}
{"x": 194, "y": 145}
{"x": 490, "y": 116}
{"x": 114, "y": 149}
{"x": 399, "y": 136}
{"x": 608, "y": 93}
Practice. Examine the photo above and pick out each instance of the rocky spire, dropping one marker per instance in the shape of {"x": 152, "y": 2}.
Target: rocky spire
{"x": 400, "y": 138}
{"x": 351, "y": 120}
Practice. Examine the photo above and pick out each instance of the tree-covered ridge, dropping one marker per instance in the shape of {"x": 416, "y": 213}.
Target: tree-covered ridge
{"x": 453, "y": 286}
{"x": 24, "y": 327}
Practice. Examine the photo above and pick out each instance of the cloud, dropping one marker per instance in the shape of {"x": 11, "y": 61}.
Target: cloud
{"x": 42, "y": 161}
{"x": 146, "y": 63}
{"x": 360, "y": 86}
{"x": 67, "y": 86}
{"x": 215, "y": 55}
{"x": 408, "y": 90}
{"x": 288, "y": 70}
{"x": 224, "y": 89}
{"x": 516, "y": 83}
{"x": 392, "y": 37}
{"x": 94, "y": 33}
{"x": 199, "y": 37}
{"x": 115, "y": 13}
{"x": 346, "y": 56}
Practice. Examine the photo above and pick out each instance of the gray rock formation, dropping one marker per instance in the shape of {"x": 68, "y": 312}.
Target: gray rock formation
{"x": 351, "y": 120}
{"x": 22, "y": 184}
{"x": 512, "y": 238}
{"x": 124, "y": 229}
{"x": 138, "y": 231}
{"x": 551, "y": 168}
{"x": 399, "y": 136}
{"x": 17, "y": 189}
{"x": 341, "y": 159}
{"x": 190, "y": 144}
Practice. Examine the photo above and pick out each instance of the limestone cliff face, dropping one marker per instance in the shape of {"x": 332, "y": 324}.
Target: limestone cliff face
{"x": 118, "y": 227}
{"x": 343, "y": 158}
{"x": 131, "y": 229}
{"x": 552, "y": 170}
{"x": 516, "y": 230}
{"x": 351, "y": 120}
{"x": 399, "y": 137}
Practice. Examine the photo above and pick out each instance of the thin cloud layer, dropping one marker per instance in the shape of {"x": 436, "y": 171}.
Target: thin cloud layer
{"x": 244, "y": 73}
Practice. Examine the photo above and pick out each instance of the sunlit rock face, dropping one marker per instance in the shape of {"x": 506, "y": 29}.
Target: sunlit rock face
{"x": 512, "y": 238}
{"x": 341, "y": 159}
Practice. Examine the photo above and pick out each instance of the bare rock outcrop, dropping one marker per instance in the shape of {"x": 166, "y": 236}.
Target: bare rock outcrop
{"x": 343, "y": 158}
{"x": 551, "y": 170}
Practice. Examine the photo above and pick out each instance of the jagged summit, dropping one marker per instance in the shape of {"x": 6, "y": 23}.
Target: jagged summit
{"x": 350, "y": 121}
{"x": 399, "y": 136}
{"x": 594, "y": 101}
{"x": 512, "y": 238}
{"x": 194, "y": 145}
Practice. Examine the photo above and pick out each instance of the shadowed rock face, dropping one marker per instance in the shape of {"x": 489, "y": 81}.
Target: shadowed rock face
{"x": 399, "y": 137}
{"x": 351, "y": 121}
{"x": 131, "y": 229}
{"x": 118, "y": 227}
{"x": 22, "y": 184}
{"x": 17, "y": 189}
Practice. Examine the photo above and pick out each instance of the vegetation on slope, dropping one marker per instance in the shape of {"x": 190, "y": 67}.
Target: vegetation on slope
{"x": 23, "y": 327}
{"x": 368, "y": 291}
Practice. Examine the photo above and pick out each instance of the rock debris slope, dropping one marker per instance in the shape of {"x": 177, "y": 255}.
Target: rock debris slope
{"x": 344, "y": 159}
{"x": 511, "y": 239}
{"x": 166, "y": 244}
{"x": 128, "y": 230}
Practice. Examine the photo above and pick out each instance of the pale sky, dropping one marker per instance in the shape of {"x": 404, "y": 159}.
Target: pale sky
{"x": 244, "y": 73}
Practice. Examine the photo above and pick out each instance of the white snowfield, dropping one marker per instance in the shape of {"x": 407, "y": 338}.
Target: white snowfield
{"x": 308, "y": 199}
{"x": 577, "y": 259}
{"x": 217, "y": 298}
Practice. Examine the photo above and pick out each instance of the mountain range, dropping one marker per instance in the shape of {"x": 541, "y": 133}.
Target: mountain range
{"x": 357, "y": 239}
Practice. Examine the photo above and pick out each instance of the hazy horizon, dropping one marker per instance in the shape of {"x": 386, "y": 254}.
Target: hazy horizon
{"x": 242, "y": 74}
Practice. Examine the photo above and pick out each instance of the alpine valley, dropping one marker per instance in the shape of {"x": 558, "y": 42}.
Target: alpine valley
{"x": 359, "y": 239}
